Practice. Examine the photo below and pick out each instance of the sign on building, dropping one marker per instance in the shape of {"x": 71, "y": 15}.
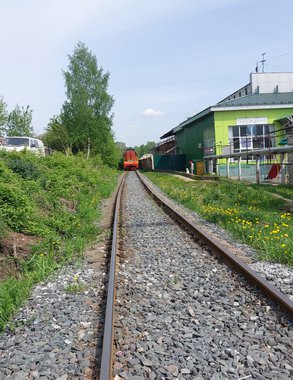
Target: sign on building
{"x": 252, "y": 121}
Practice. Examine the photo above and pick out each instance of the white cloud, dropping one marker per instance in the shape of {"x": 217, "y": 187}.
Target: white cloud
{"x": 150, "y": 112}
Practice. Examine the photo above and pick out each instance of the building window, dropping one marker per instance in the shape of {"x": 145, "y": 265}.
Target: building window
{"x": 251, "y": 137}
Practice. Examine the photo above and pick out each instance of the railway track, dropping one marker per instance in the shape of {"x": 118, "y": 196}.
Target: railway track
{"x": 180, "y": 313}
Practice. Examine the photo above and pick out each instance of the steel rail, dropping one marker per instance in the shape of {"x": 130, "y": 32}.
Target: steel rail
{"x": 270, "y": 290}
{"x": 107, "y": 350}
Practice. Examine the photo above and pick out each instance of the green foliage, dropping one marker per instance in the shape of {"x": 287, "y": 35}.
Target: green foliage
{"x": 121, "y": 146}
{"x": 251, "y": 214}
{"x": 26, "y": 169}
{"x": 285, "y": 191}
{"x": 57, "y": 136}
{"x": 3, "y": 114}
{"x": 76, "y": 288}
{"x": 56, "y": 200}
{"x": 12, "y": 292}
{"x": 84, "y": 124}
{"x": 144, "y": 149}
{"x": 15, "y": 206}
{"x": 19, "y": 122}
{"x": 5, "y": 173}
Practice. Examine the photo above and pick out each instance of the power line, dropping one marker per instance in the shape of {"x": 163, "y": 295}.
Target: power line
{"x": 280, "y": 55}
{"x": 264, "y": 60}
{"x": 280, "y": 68}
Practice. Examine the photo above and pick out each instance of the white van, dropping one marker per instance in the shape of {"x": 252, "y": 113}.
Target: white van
{"x": 18, "y": 143}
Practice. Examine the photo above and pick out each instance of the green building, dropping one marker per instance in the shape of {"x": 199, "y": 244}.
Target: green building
{"x": 251, "y": 118}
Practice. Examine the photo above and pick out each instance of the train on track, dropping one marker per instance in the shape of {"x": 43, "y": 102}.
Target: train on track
{"x": 130, "y": 160}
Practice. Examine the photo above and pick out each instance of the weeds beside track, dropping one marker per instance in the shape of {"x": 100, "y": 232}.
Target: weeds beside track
{"x": 252, "y": 215}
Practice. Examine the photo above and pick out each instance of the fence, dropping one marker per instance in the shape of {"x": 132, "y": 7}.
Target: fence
{"x": 268, "y": 173}
{"x": 170, "y": 162}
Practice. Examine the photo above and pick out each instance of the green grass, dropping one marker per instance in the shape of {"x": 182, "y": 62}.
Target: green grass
{"x": 285, "y": 191}
{"x": 250, "y": 213}
{"x": 55, "y": 200}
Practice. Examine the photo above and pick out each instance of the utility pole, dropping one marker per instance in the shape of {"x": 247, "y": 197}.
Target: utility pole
{"x": 263, "y": 62}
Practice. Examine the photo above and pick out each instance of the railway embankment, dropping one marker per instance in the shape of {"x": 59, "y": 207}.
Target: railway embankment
{"x": 49, "y": 208}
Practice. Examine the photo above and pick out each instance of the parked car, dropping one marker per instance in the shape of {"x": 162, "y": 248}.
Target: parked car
{"x": 18, "y": 143}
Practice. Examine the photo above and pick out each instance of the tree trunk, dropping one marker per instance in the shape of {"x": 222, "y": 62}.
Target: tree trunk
{"x": 88, "y": 148}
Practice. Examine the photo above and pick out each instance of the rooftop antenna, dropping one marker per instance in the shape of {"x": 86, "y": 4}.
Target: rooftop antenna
{"x": 263, "y": 62}
{"x": 256, "y": 67}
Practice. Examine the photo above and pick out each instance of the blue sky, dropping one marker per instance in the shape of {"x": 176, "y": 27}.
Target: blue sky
{"x": 167, "y": 59}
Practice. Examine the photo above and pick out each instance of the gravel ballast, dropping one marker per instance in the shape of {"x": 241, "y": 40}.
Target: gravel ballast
{"x": 55, "y": 334}
{"x": 183, "y": 315}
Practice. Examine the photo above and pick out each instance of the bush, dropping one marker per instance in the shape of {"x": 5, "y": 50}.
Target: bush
{"x": 27, "y": 170}
{"x": 15, "y": 206}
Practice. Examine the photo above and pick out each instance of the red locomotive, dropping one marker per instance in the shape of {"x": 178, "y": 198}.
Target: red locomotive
{"x": 130, "y": 160}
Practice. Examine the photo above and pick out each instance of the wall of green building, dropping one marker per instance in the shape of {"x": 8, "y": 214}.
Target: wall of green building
{"x": 213, "y": 128}
{"x": 191, "y": 140}
{"x": 223, "y": 119}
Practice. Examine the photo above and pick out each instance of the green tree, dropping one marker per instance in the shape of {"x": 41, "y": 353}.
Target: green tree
{"x": 56, "y": 136}
{"x": 19, "y": 122}
{"x": 3, "y": 115}
{"x": 121, "y": 146}
{"x": 144, "y": 149}
{"x": 86, "y": 112}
